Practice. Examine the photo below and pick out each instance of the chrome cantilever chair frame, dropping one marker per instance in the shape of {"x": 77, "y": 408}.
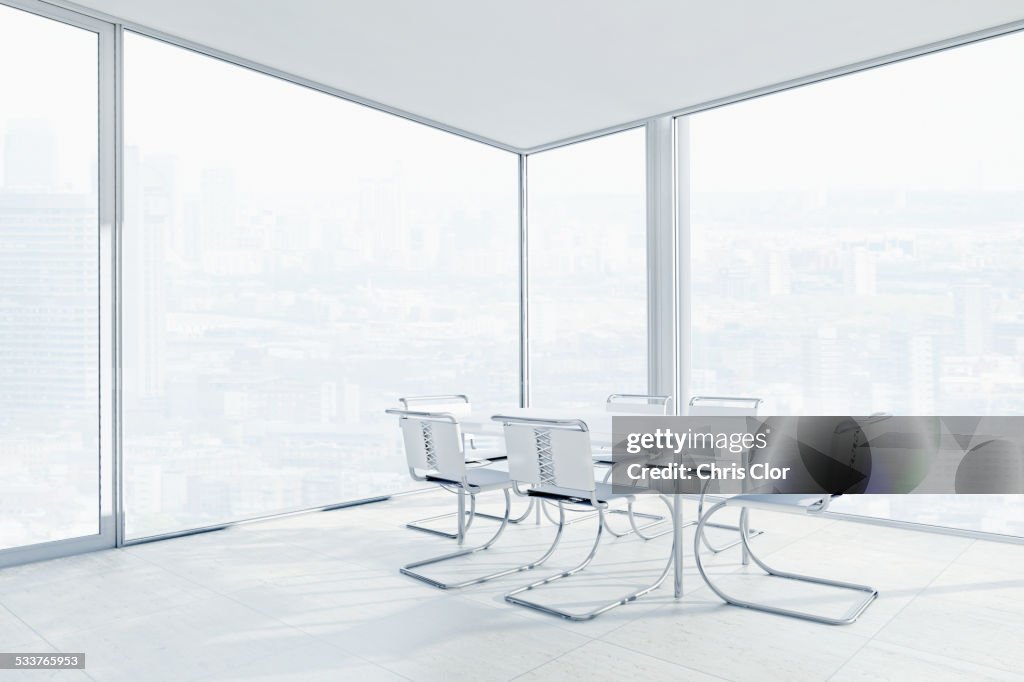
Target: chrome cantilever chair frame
{"x": 548, "y": 481}
{"x": 467, "y": 514}
{"x": 638, "y": 404}
{"x": 464, "y": 517}
{"x": 408, "y": 568}
{"x": 754, "y": 403}
{"x": 747, "y": 502}
{"x": 629, "y": 512}
{"x": 513, "y": 598}
{"x": 433, "y": 582}
{"x": 455, "y": 464}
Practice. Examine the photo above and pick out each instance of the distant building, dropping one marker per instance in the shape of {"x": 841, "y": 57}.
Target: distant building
{"x": 49, "y": 322}
{"x": 972, "y": 306}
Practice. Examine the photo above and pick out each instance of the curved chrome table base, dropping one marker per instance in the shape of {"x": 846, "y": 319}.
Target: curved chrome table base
{"x": 513, "y": 598}
{"x": 852, "y": 615}
{"x": 407, "y": 569}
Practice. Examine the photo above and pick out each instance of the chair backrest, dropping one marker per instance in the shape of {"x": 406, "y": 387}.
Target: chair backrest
{"x": 721, "y": 406}
{"x": 637, "y": 403}
{"x": 554, "y": 452}
{"x": 433, "y": 443}
{"x": 457, "y": 405}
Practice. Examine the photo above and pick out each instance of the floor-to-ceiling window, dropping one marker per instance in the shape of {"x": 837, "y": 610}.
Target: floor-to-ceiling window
{"x": 857, "y": 247}
{"x": 294, "y": 263}
{"x": 49, "y": 281}
{"x": 588, "y": 271}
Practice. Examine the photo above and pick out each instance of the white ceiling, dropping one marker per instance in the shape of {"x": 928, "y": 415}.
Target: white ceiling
{"x": 529, "y": 72}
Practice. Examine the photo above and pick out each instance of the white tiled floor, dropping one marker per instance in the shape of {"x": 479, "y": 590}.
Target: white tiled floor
{"x": 319, "y": 597}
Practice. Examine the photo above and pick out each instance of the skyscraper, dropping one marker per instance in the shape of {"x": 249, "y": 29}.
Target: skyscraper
{"x": 972, "y": 305}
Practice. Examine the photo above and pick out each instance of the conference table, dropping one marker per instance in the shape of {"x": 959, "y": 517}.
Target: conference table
{"x": 599, "y": 424}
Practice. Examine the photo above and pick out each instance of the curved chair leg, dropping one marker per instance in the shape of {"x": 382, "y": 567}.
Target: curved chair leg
{"x": 464, "y": 520}
{"x": 584, "y": 513}
{"x": 634, "y": 528}
{"x": 472, "y": 514}
{"x": 512, "y": 597}
{"x": 516, "y": 520}
{"x": 407, "y": 569}
{"x": 587, "y": 514}
{"x": 852, "y": 615}
{"x": 667, "y": 531}
{"x": 724, "y": 526}
{"x": 745, "y": 536}
{"x": 655, "y": 519}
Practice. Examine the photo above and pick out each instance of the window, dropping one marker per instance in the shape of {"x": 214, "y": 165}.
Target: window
{"x": 588, "y": 271}
{"x": 49, "y": 276}
{"x": 294, "y": 263}
{"x": 857, "y": 247}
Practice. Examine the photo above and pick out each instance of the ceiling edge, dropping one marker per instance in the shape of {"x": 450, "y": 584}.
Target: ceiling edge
{"x": 863, "y": 65}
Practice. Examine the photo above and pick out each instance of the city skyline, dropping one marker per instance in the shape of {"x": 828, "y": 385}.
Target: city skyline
{"x": 213, "y": 474}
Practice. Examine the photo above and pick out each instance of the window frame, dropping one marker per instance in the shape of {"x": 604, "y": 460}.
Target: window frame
{"x": 667, "y": 240}
{"x": 108, "y": 196}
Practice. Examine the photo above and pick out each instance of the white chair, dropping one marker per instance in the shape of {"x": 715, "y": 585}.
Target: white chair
{"x": 434, "y": 450}
{"x": 634, "y": 404}
{"x": 554, "y": 458}
{"x": 479, "y": 452}
{"x": 639, "y": 404}
{"x": 478, "y": 448}
{"x": 723, "y": 406}
{"x": 791, "y": 504}
{"x": 627, "y": 404}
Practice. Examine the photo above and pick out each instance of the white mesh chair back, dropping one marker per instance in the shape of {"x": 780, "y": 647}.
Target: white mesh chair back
{"x": 549, "y": 452}
{"x": 433, "y": 444}
{"x": 630, "y": 403}
{"x": 458, "y": 406}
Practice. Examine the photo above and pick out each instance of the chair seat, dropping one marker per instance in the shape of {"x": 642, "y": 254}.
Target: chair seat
{"x": 792, "y": 503}
{"x": 483, "y": 478}
{"x": 604, "y": 492}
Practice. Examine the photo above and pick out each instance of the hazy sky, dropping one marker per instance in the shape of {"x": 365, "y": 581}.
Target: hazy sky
{"x": 610, "y": 164}
{"x": 54, "y": 79}
{"x": 280, "y": 137}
